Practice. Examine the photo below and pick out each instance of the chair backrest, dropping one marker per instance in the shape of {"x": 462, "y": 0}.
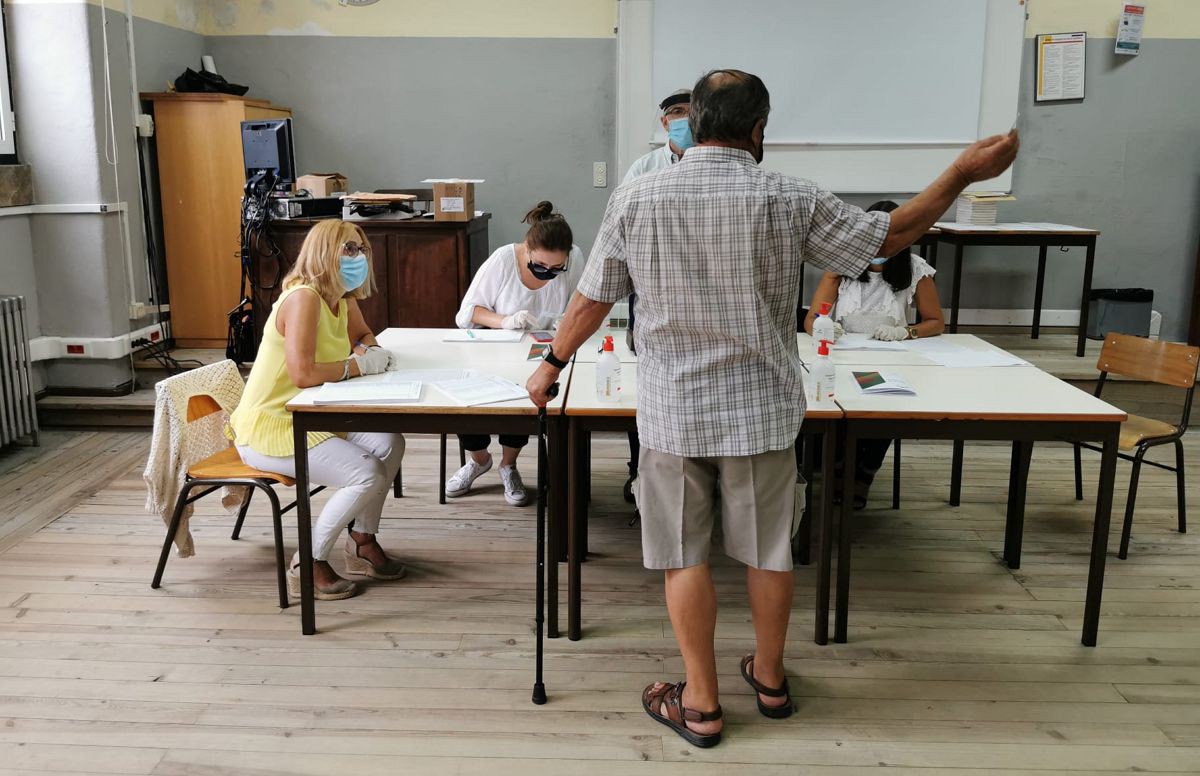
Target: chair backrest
{"x": 201, "y": 405}
{"x": 1167, "y": 363}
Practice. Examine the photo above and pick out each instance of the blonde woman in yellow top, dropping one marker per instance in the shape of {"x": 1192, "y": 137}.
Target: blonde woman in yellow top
{"x": 316, "y": 334}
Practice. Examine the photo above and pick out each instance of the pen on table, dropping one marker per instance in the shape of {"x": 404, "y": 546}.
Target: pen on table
{"x": 470, "y": 334}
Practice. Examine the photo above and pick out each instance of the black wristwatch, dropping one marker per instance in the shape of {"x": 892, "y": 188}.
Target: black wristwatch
{"x": 554, "y": 360}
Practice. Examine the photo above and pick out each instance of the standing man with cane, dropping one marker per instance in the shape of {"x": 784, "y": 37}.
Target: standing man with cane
{"x": 714, "y": 247}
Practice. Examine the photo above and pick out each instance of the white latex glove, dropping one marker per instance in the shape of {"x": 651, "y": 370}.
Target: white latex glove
{"x": 887, "y": 333}
{"x": 392, "y": 366}
{"x": 838, "y": 331}
{"x": 374, "y": 361}
{"x": 522, "y": 319}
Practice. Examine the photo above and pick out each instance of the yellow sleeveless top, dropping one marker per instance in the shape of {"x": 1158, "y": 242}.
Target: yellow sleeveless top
{"x": 261, "y": 420}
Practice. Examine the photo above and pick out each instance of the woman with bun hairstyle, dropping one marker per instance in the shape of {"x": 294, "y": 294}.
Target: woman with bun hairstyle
{"x": 523, "y": 285}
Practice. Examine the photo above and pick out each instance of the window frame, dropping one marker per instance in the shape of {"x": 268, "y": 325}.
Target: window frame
{"x": 8, "y": 113}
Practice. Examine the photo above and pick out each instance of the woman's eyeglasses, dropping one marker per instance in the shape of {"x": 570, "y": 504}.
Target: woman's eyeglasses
{"x": 351, "y": 248}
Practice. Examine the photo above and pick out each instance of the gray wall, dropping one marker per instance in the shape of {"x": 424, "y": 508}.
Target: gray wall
{"x": 162, "y": 52}
{"x": 528, "y": 115}
{"x": 1125, "y": 160}
{"x": 17, "y": 274}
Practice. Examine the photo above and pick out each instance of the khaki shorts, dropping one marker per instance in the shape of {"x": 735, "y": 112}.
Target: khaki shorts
{"x": 761, "y": 499}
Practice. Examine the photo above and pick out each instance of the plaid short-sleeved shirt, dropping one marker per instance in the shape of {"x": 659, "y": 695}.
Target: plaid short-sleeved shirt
{"x": 714, "y": 247}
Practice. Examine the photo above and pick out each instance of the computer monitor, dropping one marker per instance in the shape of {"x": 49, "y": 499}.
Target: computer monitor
{"x": 267, "y": 151}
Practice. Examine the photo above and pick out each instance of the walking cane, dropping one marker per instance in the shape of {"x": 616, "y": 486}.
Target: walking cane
{"x": 539, "y": 687}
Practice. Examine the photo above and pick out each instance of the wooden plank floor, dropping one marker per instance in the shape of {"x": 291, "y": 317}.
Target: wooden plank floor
{"x": 954, "y": 664}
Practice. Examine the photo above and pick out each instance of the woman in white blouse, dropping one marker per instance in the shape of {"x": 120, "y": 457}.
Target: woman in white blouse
{"x": 525, "y": 285}
{"x": 879, "y": 303}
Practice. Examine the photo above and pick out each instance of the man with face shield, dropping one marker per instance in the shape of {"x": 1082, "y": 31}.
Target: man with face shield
{"x": 674, "y": 117}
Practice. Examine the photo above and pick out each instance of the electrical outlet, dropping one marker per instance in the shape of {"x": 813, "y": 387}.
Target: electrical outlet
{"x": 600, "y": 175}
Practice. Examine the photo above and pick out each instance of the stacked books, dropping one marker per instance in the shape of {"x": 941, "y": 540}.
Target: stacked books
{"x": 979, "y": 207}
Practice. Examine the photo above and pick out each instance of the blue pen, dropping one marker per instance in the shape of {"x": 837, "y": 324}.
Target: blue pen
{"x": 470, "y": 334}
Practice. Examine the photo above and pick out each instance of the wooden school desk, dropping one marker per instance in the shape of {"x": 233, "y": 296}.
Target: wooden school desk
{"x": 586, "y": 414}
{"x": 1023, "y": 405}
{"x": 1041, "y": 236}
{"x": 434, "y": 414}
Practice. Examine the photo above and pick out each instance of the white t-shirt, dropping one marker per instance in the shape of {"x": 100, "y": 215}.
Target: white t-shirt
{"x": 497, "y": 287}
{"x": 658, "y": 159}
{"x": 863, "y": 306}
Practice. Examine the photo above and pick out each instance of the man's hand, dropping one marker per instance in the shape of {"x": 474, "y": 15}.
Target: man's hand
{"x": 988, "y": 158}
{"x": 539, "y": 384}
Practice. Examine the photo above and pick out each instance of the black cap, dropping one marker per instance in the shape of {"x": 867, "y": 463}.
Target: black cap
{"x": 677, "y": 97}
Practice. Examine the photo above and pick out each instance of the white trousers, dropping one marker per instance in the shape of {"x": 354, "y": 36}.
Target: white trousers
{"x": 362, "y": 467}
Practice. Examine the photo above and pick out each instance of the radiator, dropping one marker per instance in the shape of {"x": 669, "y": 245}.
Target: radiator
{"x": 18, "y": 413}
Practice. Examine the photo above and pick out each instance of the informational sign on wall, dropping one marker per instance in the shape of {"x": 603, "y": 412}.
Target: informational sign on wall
{"x": 1129, "y": 29}
{"x": 1060, "y": 66}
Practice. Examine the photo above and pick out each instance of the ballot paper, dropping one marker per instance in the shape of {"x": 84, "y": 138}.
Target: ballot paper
{"x": 948, "y": 354}
{"x": 484, "y": 389}
{"x": 483, "y": 335}
{"x": 361, "y": 391}
{"x": 882, "y": 383}
{"x": 864, "y": 342}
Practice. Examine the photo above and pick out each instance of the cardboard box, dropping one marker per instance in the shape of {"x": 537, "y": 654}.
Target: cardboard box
{"x": 453, "y": 200}
{"x": 323, "y": 184}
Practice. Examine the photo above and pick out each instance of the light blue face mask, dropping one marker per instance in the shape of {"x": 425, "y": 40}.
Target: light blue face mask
{"x": 354, "y": 271}
{"x": 879, "y": 261}
{"x": 680, "y": 133}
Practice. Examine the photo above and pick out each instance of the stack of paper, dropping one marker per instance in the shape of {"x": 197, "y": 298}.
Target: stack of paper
{"x": 369, "y": 392}
{"x": 979, "y": 207}
{"x": 879, "y": 383}
{"x": 864, "y": 342}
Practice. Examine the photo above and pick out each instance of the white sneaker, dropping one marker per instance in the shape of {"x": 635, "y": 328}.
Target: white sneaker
{"x": 514, "y": 489}
{"x": 460, "y": 483}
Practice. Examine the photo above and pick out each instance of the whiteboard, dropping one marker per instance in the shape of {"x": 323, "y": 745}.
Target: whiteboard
{"x": 867, "y": 96}
{"x": 849, "y": 71}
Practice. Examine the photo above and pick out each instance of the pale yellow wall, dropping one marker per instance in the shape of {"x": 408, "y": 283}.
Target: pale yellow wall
{"x": 1098, "y": 18}
{"x": 387, "y": 18}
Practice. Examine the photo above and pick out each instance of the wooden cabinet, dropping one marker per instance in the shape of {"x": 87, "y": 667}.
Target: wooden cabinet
{"x": 422, "y": 269}
{"x": 200, "y": 174}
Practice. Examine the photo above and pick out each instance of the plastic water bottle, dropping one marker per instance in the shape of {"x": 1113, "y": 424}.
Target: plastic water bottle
{"x": 823, "y": 373}
{"x": 823, "y": 324}
{"x": 608, "y": 373}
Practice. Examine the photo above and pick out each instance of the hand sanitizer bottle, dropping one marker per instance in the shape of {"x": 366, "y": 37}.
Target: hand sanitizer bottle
{"x": 823, "y": 325}
{"x": 608, "y": 373}
{"x": 823, "y": 373}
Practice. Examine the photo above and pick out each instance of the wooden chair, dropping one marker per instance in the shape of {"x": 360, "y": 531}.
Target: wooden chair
{"x": 1165, "y": 363}
{"x": 226, "y": 469}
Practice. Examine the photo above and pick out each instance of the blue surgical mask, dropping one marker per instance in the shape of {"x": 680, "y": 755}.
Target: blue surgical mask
{"x": 354, "y": 271}
{"x": 879, "y": 261}
{"x": 680, "y": 133}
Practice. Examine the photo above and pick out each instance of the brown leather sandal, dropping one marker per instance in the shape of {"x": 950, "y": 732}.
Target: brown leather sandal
{"x": 774, "y": 712}
{"x": 660, "y": 694}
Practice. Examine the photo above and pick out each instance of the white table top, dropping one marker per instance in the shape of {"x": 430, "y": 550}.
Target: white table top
{"x": 1015, "y": 227}
{"x": 993, "y": 393}
{"x": 424, "y": 349}
{"x": 880, "y": 358}
{"x": 581, "y": 400}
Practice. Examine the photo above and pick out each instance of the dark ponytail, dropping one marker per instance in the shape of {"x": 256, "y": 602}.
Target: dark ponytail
{"x": 897, "y": 273}
{"x": 548, "y": 231}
